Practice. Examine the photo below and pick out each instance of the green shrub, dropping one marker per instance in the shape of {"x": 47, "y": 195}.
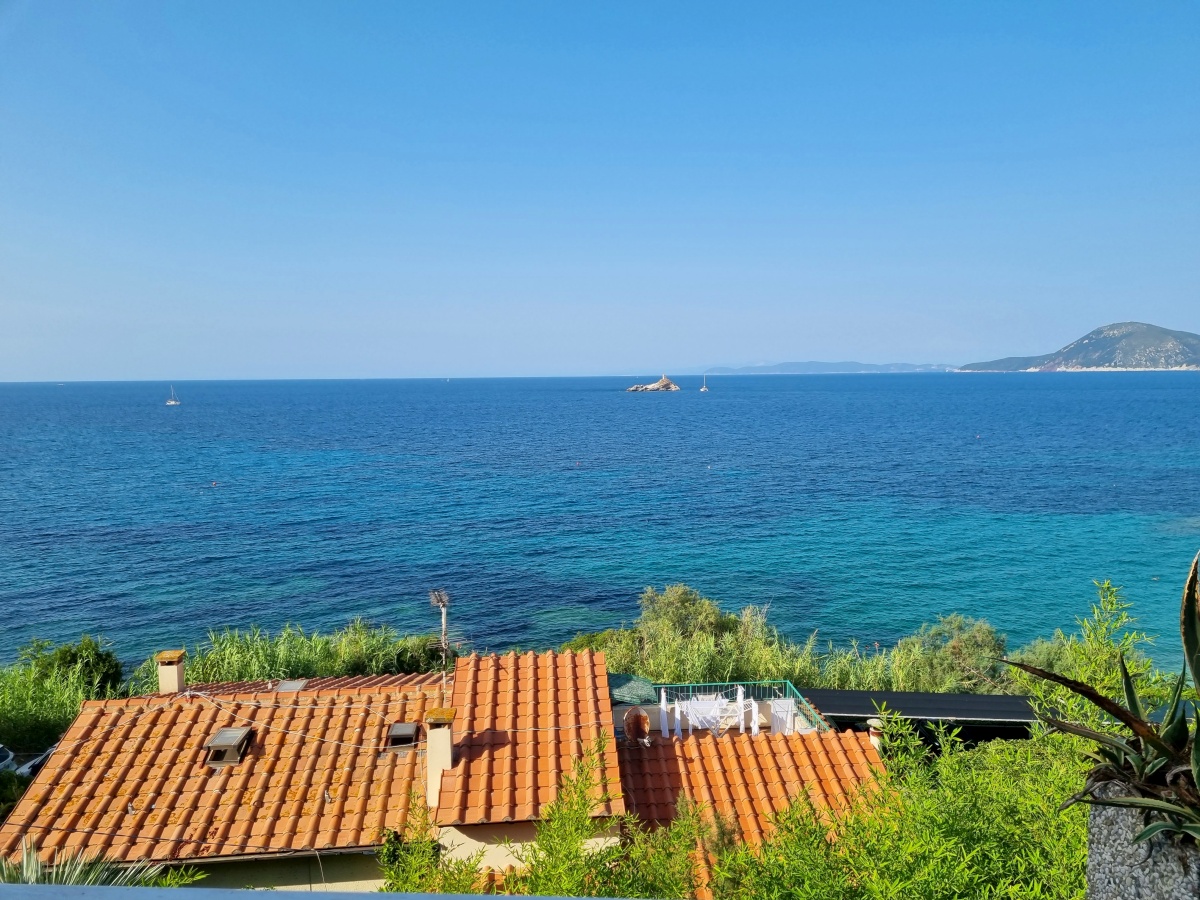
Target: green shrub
{"x": 683, "y": 637}
{"x": 91, "y": 658}
{"x": 1156, "y": 763}
{"x": 12, "y": 786}
{"x": 1092, "y": 656}
{"x": 41, "y": 694}
{"x": 576, "y": 853}
{"x": 412, "y": 861}
{"x": 977, "y": 823}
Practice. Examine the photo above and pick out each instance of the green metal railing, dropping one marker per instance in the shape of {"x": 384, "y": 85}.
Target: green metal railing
{"x": 755, "y": 690}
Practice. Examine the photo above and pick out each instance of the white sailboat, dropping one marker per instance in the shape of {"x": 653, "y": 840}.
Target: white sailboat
{"x": 704, "y": 386}
{"x": 173, "y": 400}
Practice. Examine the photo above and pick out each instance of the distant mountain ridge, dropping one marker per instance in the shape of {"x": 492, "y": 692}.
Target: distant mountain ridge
{"x": 826, "y": 368}
{"x": 1124, "y": 345}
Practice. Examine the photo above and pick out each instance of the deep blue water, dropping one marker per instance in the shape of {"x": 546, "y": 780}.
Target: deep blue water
{"x": 860, "y": 506}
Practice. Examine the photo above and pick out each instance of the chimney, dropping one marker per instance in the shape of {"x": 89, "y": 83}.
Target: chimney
{"x": 439, "y": 751}
{"x": 170, "y": 671}
{"x": 875, "y": 730}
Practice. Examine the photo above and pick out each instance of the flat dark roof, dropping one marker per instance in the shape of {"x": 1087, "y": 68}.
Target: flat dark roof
{"x": 971, "y": 708}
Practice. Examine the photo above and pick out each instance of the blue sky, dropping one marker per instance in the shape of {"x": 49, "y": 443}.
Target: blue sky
{"x": 233, "y": 190}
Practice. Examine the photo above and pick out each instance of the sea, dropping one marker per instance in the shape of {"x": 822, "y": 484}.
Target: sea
{"x": 855, "y": 506}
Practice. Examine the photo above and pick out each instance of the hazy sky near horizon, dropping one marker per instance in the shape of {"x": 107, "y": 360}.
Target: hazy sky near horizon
{"x": 234, "y": 190}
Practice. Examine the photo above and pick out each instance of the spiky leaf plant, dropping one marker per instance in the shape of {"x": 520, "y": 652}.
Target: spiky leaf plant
{"x": 1159, "y": 765}
{"x": 75, "y": 869}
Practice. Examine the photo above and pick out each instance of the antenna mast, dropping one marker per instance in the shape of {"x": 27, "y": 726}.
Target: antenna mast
{"x": 439, "y": 599}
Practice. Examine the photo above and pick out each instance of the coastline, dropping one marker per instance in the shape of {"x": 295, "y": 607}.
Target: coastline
{"x": 1071, "y": 369}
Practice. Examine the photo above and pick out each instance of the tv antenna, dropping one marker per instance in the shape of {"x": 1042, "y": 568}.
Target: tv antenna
{"x": 439, "y": 599}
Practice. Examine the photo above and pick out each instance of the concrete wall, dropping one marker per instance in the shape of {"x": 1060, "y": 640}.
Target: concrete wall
{"x": 343, "y": 872}
{"x": 464, "y": 841}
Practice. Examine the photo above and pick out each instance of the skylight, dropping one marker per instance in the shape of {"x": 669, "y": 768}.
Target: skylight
{"x": 228, "y": 746}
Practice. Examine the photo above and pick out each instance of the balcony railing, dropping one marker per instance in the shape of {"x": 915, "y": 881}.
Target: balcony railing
{"x": 754, "y": 690}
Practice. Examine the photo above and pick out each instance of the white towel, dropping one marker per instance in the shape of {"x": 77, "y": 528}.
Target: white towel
{"x": 664, "y": 721}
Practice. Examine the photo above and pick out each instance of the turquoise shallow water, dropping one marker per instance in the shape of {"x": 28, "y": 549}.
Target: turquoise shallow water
{"x": 860, "y": 506}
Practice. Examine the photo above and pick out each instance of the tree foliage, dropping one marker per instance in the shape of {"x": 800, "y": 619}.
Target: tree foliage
{"x": 683, "y": 637}
{"x": 92, "y": 658}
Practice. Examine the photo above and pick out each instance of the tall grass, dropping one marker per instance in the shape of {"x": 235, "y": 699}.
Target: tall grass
{"x": 36, "y": 708}
{"x": 41, "y": 693}
{"x": 254, "y": 654}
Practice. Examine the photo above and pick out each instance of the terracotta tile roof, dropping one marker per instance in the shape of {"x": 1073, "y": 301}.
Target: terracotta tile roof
{"x": 354, "y": 682}
{"x": 522, "y": 721}
{"x": 129, "y": 779}
{"x": 744, "y": 777}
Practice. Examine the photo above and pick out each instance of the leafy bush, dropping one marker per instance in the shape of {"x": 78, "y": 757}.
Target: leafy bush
{"x": 1092, "y": 656}
{"x": 578, "y": 854}
{"x": 91, "y": 658}
{"x": 683, "y": 637}
{"x": 966, "y": 823}
{"x": 1157, "y": 764}
{"x": 12, "y": 786}
{"x": 412, "y": 860}
{"x": 574, "y": 853}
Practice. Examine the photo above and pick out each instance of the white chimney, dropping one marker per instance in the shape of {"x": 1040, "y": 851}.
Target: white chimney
{"x": 170, "y": 671}
{"x": 875, "y": 731}
{"x": 439, "y": 752}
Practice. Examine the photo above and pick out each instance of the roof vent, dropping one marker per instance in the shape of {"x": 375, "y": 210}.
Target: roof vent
{"x": 291, "y": 685}
{"x": 402, "y": 735}
{"x": 228, "y": 746}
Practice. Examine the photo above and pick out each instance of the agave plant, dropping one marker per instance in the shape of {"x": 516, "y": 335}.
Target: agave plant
{"x": 73, "y": 869}
{"x": 1158, "y": 764}
{"x": 77, "y": 869}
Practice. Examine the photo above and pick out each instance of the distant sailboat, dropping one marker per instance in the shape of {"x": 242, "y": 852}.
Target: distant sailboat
{"x": 173, "y": 400}
{"x": 704, "y": 387}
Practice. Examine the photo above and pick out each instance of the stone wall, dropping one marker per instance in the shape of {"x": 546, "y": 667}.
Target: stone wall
{"x": 1162, "y": 868}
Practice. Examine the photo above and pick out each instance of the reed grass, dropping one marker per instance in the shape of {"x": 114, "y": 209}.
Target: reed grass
{"x": 36, "y": 708}
{"x": 255, "y": 654}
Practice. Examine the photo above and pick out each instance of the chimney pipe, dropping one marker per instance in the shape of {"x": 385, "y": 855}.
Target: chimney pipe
{"x": 439, "y": 752}
{"x": 170, "y": 671}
